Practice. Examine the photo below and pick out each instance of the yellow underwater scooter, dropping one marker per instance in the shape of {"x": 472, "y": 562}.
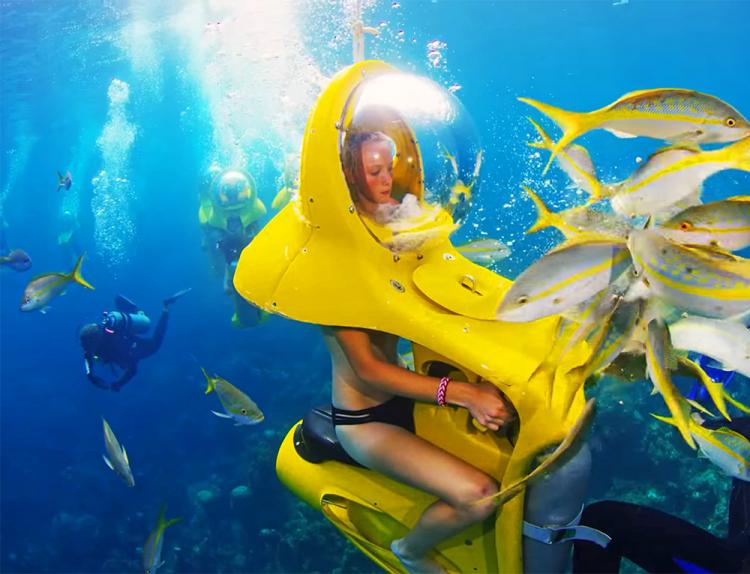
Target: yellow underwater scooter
{"x": 319, "y": 261}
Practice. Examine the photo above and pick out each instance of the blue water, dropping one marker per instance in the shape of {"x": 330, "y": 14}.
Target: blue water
{"x": 222, "y": 81}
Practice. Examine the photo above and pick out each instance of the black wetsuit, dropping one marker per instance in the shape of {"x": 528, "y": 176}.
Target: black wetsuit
{"x": 659, "y": 542}
{"x": 230, "y": 242}
{"x": 124, "y": 350}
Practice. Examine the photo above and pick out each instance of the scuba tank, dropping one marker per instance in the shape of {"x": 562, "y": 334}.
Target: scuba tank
{"x": 125, "y": 323}
{"x": 127, "y": 320}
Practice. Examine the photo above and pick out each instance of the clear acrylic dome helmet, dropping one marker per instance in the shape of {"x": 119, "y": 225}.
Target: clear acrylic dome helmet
{"x": 437, "y": 156}
{"x": 233, "y": 188}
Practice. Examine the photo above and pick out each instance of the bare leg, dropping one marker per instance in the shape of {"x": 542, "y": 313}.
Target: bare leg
{"x": 425, "y": 466}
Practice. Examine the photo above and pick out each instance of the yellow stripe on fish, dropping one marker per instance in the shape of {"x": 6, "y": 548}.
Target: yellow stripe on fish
{"x": 670, "y": 114}
{"x": 725, "y": 448}
{"x": 613, "y": 336}
{"x": 724, "y": 224}
{"x": 575, "y": 161}
{"x": 689, "y": 279}
{"x": 658, "y": 355}
{"x": 674, "y": 173}
{"x": 577, "y": 220}
{"x": 565, "y": 277}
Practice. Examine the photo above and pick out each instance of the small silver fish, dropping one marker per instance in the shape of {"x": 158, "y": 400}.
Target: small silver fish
{"x": 43, "y": 288}
{"x": 237, "y": 405}
{"x": 484, "y": 251}
{"x": 18, "y": 260}
{"x": 118, "y": 458}
{"x": 153, "y": 546}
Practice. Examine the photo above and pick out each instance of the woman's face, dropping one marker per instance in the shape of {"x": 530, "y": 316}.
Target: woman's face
{"x": 377, "y": 160}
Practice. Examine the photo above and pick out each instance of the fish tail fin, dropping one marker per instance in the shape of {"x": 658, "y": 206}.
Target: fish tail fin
{"x": 545, "y": 218}
{"x": 76, "y": 276}
{"x": 681, "y": 419}
{"x": 668, "y": 420}
{"x": 715, "y": 390}
{"x": 279, "y": 198}
{"x": 736, "y": 404}
{"x": 546, "y": 142}
{"x": 162, "y": 522}
{"x": 171, "y": 522}
{"x": 209, "y": 382}
{"x": 570, "y": 123}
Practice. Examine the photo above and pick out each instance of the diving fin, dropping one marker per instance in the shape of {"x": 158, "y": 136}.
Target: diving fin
{"x": 169, "y": 300}
{"x": 125, "y": 305}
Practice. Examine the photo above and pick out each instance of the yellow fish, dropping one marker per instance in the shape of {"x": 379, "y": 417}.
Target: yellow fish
{"x": 670, "y": 114}
{"x": 673, "y": 174}
{"x": 564, "y": 277}
{"x": 576, "y": 162}
{"x": 612, "y": 337}
{"x": 153, "y": 546}
{"x": 118, "y": 457}
{"x": 659, "y": 191}
{"x": 659, "y": 359}
{"x": 724, "y": 224}
{"x": 577, "y": 220}
{"x": 237, "y": 405}
{"x": 283, "y": 197}
{"x": 460, "y": 192}
{"x": 484, "y": 251}
{"x": 43, "y": 288}
{"x": 727, "y": 449}
{"x": 693, "y": 280}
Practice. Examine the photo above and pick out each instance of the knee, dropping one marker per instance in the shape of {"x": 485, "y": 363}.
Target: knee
{"x": 471, "y": 501}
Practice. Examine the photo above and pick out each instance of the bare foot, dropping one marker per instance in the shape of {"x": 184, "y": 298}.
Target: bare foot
{"x": 416, "y": 565}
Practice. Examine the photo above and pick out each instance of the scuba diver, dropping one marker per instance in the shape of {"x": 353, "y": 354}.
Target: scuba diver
{"x": 373, "y": 398}
{"x": 117, "y": 340}
{"x": 69, "y": 236}
{"x": 659, "y": 542}
{"x": 229, "y": 213}
{"x": 64, "y": 181}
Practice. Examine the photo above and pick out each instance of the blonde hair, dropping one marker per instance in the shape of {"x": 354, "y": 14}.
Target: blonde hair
{"x": 354, "y": 169}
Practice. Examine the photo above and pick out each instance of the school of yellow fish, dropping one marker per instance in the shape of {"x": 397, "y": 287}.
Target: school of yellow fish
{"x": 647, "y": 269}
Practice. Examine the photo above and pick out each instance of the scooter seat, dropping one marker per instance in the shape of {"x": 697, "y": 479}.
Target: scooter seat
{"x": 315, "y": 438}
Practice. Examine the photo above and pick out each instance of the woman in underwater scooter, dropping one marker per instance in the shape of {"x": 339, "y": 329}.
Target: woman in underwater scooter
{"x": 373, "y": 397}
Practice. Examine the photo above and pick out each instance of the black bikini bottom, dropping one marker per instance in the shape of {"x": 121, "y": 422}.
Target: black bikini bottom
{"x": 398, "y": 411}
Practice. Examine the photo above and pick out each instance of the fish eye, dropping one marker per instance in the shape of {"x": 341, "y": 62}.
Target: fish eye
{"x": 686, "y": 226}
{"x": 244, "y": 411}
{"x": 730, "y": 122}
{"x": 522, "y": 300}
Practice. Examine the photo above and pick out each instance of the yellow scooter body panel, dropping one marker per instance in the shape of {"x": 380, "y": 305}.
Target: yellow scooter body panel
{"x": 316, "y": 261}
